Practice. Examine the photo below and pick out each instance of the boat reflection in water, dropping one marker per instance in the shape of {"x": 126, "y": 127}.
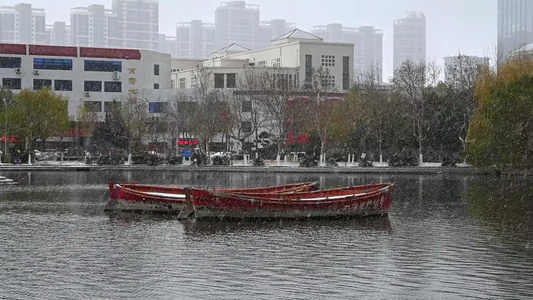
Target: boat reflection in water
{"x": 221, "y": 227}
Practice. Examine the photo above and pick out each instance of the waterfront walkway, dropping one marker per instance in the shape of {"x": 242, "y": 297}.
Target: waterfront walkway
{"x": 240, "y": 166}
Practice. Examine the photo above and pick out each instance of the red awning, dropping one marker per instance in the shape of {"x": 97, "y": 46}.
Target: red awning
{"x": 10, "y": 138}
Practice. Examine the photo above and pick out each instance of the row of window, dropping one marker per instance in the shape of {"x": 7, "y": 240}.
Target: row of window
{"x": 96, "y": 86}
{"x": 64, "y": 85}
{"x": 66, "y": 64}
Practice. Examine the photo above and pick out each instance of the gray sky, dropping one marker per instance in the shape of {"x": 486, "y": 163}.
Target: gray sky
{"x": 466, "y": 26}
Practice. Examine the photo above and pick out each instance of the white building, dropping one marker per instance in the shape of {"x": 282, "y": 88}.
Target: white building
{"x": 167, "y": 44}
{"x": 195, "y": 39}
{"x": 22, "y": 24}
{"x": 94, "y": 77}
{"x": 525, "y": 52}
{"x": 409, "y": 39}
{"x": 138, "y": 23}
{"x": 237, "y": 22}
{"x": 368, "y": 46}
{"x": 58, "y": 34}
{"x": 297, "y": 52}
{"x": 94, "y": 26}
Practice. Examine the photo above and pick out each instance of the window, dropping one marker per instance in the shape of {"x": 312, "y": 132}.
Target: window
{"x": 328, "y": 60}
{"x": 109, "y": 106}
{"x": 276, "y": 62}
{"x": 262, "y": 63}
{"x": 246, "y": 126}
{"x": 113, "y": 87}
{"x": 345, "y": 72}
{"x": 12, "y": 83}
{"x": 156, "y": 86}
{"x": 219, "y": 81}
{"x": 231, "y": 80}
{"x": 328, "y": 81}
{"x": 92, "y": 86}
{"x": 157, "y": 107}
{"x": 52, "y": 64}
{"x": 93, "y": 106}
{"x": 247, "y": 106}
{"x": 156, "y": 70}
{"x": 102, "y": 66}
{"x": 183, "y": 83}
{"x": 308, "y": 67}
{"x": 63, "y": 85}
{"x": 10, "y": 62}
{"x": 39, "y": 84}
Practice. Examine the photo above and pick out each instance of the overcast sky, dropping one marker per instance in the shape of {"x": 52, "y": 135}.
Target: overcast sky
{"x": 466, "y": 26}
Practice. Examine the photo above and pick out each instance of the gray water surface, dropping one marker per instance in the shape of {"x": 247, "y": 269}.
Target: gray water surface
{"x": 446, "y": 237}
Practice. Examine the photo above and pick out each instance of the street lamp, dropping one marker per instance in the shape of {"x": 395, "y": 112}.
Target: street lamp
{"x": 5, "y": 128}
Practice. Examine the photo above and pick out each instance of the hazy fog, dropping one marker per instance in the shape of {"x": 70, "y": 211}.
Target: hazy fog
{"x": 452, "y": 25}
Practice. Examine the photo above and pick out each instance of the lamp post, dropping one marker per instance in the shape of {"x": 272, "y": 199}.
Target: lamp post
{"x": 5, "y": 128}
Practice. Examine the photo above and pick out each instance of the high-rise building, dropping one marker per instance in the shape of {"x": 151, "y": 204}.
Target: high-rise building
{"x": 195, "y": 39}
{"x": 515, "y": 25}
{"x": 22, "y": 24}
{"x": 409, "y": 39}
{"x": 237, "y": 22}
{"x": 167, "y": 44}
{"x": 368, "y": 47}
{"x": 269, "y": 30}
{"x": 92, "y": 26}
{"x": 58, "y": 34}
{"x": 138, "y": 23}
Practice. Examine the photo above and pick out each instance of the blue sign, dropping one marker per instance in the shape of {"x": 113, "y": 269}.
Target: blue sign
{"x": 187, "y": 153}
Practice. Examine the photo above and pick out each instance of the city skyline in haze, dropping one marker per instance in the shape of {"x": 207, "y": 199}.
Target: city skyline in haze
{"x": 453, "y": 26}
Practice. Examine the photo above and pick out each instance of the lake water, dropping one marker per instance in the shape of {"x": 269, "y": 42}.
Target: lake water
{"x": 446, "y": 237}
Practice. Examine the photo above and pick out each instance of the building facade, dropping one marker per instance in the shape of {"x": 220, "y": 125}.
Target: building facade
{"x": 409, "y": 41}
{"x": 368, "y": 47}
{"x": 22, "y": 24}
{"x": 237, "y": 22}
{"x": 515, "y": 25}
{"x": 93, "y": 77}
{"x": 93, "y": 26}
{"x": 137, "y": 23}
{"x": 58, "y": 34}
{"x": 195, "y": 39}
{"x": 297, "y": 53}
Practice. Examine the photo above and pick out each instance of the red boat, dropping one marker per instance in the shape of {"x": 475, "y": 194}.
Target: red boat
{"x": 373, "y": 199}
{"x": 165, "y": 199}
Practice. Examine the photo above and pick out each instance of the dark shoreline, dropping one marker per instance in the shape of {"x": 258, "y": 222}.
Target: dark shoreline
{"x": 251, "y": 169}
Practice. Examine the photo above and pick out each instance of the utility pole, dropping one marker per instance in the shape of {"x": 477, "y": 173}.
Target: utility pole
{"x": 5, "y": 128}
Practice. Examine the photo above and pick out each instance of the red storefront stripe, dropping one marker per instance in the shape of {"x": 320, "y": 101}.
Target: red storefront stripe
{"x": 53, "y": 51}
{"x": 110, "y": 53}
{"x": 13, "y": 49}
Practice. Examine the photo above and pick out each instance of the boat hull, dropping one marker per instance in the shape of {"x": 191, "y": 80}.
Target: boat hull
{"x": 207, "y": 204}
{"x": 133, "y": 197}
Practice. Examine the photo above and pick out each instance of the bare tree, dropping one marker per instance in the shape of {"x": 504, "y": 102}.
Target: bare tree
{"x": 372, "y": 110}
{"x": 275, "y": 87}
{"x": 212, "y": 113}
{"x": 461, "y": 78}
{"x": 135, "y": 114}
{"x": 321, "y": 113}
{"x": 411, "y": 81}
